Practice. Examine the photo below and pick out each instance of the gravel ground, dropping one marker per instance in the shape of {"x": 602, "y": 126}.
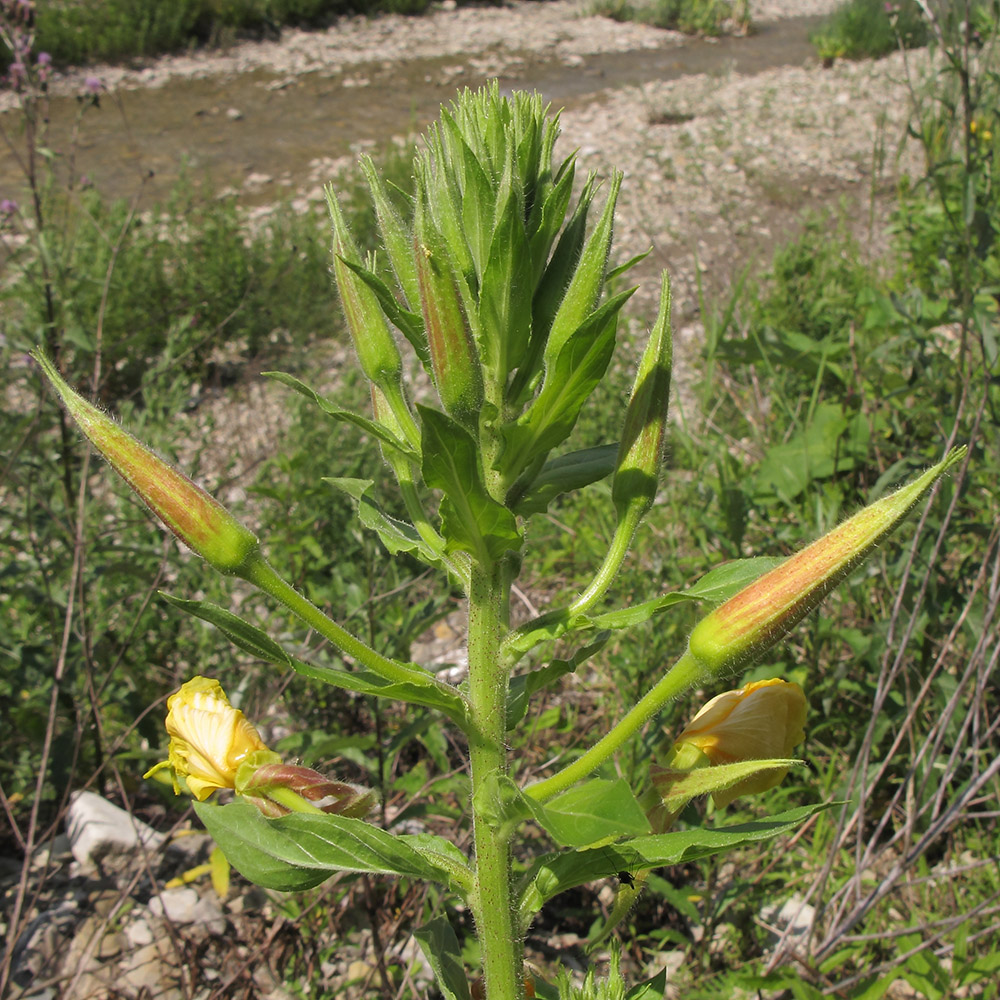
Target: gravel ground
{"x": 559, "y": 28}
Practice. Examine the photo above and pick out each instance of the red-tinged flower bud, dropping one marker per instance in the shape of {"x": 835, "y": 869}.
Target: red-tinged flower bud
{"x": 373, "y": 341}
{"x": 264, "y": 787}
{"x": 640, "y": 452}
{"x": 758, "y": 616}
{"x": 196, "y": 518}
{"x": 458, "y": 374}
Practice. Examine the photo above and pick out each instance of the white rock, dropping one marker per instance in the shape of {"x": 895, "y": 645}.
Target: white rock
{"x": 183, "y": 905}
{"x": 96, "y": 828}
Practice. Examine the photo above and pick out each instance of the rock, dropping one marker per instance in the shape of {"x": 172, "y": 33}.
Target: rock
{"x": 794, "y": 917}
{"x": 184, "y": 905}
{"x": 96, "y": 828}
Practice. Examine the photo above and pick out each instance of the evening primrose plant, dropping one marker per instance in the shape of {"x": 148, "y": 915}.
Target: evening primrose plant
{"x": 496, "y": 283}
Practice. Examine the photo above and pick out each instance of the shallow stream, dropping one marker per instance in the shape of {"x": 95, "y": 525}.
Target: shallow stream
{"x": 271, "y": 135}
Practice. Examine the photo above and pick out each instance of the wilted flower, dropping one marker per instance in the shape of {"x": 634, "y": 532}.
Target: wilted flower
{"x": 265, "y": 785}
{"x": 209, "y": 739}
{"x": 762, "y": 721}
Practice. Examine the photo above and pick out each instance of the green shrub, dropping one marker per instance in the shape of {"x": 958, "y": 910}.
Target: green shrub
{"x": 867, "y": 29}
{"x": 705, "y": 17}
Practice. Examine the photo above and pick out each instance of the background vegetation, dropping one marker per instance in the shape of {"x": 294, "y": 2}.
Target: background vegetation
{"x": 825, "y": 379}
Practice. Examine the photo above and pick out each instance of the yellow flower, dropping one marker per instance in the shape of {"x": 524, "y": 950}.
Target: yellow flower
{"x": 763, "y": 721}
{"x": 209, "y": 739}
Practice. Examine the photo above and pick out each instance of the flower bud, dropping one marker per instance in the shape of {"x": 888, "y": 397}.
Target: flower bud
{"x": 196, "y": 518}
{"x": 759, "y": 615}
{"x": 209, "y": 739}
{"x": 337, "y": 797}
{"x": 458, "y": 374}
{"x": 640, "y": 452}
{"x": 373, "y": 341}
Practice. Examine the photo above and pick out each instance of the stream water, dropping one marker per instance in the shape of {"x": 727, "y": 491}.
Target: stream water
{"x": 271, "y": 131}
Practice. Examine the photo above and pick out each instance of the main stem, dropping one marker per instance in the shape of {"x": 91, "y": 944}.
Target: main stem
{"x": 493, "y": 905}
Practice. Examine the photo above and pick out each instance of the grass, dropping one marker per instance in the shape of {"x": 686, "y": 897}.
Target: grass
{"x": 701, "y": 17}
{"x": 76, "y": 32}
{"x": 868, "y": 29}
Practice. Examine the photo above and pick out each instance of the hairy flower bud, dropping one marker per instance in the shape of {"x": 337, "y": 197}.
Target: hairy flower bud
{"x": 458, "y": 375}
{"x": 195, "y": 517}
{"x": 209, "y": 739}
{"x": 759, "y": 615}
{"x": 373, "y": 341}
{"x": 640, "y": 452}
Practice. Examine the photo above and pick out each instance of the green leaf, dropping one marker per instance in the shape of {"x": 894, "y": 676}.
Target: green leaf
{"x": 727, "y": 580}
{"x": 505, "y": 294}
{"x": 302, "y": 850}
{"x": 652, "y": 989}
{"x": 523, "y": 686}
{"x": 572, "y": 471}
{"x": 440, "y": 946}
{"x": 681, "y": 787}
{"x": 331, "y": 409}
{"x": 396, "y": 535}
{"x": 471, "y": 519}
{"x": 567, "y": 385}
{"x": 555, "y": 873}
{"x": 240, "y": 633}
{"x": 639, "y": 613}
{"x": 258, "y": 643}
{"x": 590, "y": 812}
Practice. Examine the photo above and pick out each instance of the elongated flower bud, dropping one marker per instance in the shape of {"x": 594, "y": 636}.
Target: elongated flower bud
{"x": 753, "y": 620}
{"x": 209, "y": 739}
{"x": 377, "y": 352}
{"x": 458, "y": 374}
{"x": 640, "y": 453}
{"x": 196, "y": 518}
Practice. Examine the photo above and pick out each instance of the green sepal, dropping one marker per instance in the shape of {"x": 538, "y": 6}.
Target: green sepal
{"x": 554, "y": 873}
{"x": 301, "y": 850}
{"x": 376, "y": 430}
{"x": 471, "y": 520}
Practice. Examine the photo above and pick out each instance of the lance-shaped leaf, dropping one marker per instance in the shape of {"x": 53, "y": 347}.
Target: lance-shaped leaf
{"x": 301, "y": 850}
{"x": 753, "y": 620}
{"x": 397, "y": 240}
{"x": 472, "y": 520}
{"x": 422, "y": 689}
{"x": 568, "y": 384}
{"x": 376, "y": 430}
{"x": 555, "y": 873}
{"x": 396, "y": 535}
{"x": 563, "y": 474}
{"x": 640, "y": 454}
{"x": 587, "y": 283}
{"x": 444, "y": 955}
{"x": 195, "y": 517}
